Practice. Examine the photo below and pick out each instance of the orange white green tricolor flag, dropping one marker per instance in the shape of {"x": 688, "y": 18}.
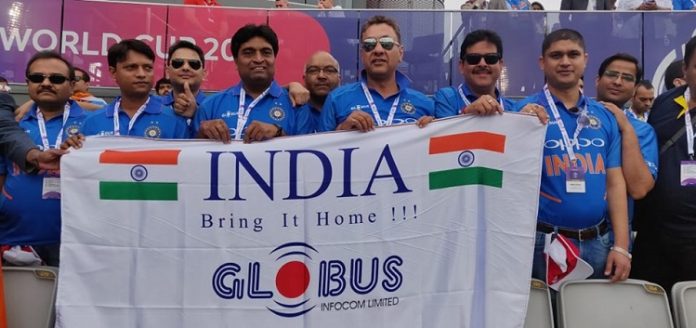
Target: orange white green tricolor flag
{"x": 140, "y": 175}
{"x": 466, "y": 159}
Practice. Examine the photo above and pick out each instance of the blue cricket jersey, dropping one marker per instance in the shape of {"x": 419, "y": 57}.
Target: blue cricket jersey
{"x": 598, "y": 149}
{"x": 448, "y": 101}
{"x": 155, "y": 122}
{"x": 344, "y": 100}
{"x": 25, "y": 217}
{"x": 274, "y": 108}
{"x": 313, "y": 114}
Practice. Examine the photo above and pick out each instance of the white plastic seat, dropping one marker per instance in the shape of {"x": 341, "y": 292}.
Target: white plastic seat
{"x": 30, "y": 294}
{"x": 602, "y": 304}
{"x": 684, "y": 304}
{"x": 539, "y": 312}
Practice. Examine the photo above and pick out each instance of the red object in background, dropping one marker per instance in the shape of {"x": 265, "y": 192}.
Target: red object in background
{"x": 201, "y": 2}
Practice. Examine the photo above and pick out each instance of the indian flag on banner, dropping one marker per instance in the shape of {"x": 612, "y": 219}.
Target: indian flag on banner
{"x": 466, "y": 159}
{"x": 141, "y": 179}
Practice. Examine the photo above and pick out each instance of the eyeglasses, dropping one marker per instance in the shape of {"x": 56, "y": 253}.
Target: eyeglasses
{"x": 195, "y": 64}
{"x": 475, "y": 59}
{"x": 386, "y": 42}
{"x": 615, "y": 75}
{"x": 53, "y": 78}
{"x": 328, "y": 70}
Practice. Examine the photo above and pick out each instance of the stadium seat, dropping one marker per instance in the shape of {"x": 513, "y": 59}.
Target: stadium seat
{"x": 539, "y": 312}
{"x": 30, "y": 294}
{"x": 684, "y": 304}
{"x": 600, "y": 304}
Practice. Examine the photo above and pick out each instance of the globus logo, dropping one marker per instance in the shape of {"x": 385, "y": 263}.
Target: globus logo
{"x": 293, "y": 277}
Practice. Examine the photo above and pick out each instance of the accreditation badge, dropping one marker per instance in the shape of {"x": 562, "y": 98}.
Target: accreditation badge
{"x": 575, "y": 180}
{"x": 688, "y": 173}
{"x": 51, "y": 188}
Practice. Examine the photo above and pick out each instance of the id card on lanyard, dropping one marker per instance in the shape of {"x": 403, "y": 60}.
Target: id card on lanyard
{"x": 467, "y": 102}
{"x": 575, "y": 176}
{"x": 373, "y": 107}
{"x": 117, "y": 124}
{"x": 51, "y": 185}
{"x": 688, "y": 167}
{"x": 243, "y": 114}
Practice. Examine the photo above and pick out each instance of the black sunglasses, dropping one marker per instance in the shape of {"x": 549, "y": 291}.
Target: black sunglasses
{"x": 386, "y": 42}
{"x": 195, "y": 64}
{"x": 474, "y": 59}
{"x": 53, "y": 78}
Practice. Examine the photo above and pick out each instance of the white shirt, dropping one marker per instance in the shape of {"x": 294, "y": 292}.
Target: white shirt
{"x": 634, "y": 4}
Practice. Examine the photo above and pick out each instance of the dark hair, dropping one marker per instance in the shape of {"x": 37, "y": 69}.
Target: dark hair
{"x": 85, "y": 75}
{"x": 118, "y": 52}
{"x": 379, "y": 19}
{"x": 161, "y": 81}
{"x": 250, "y": 31}
{"x": 689, "y": 50}
{"x": 560, "y": 35}
{"x": 674, "y": 70}
{"x": 624, "y": 57}
{"x": 51, "y": 55}
{"x": 645, "y": 84}
{"x": 3, "y": 79}
{"x": 538, "y": 4}
{"x": 477, "y": 36}
{"x": 183, "y": 44}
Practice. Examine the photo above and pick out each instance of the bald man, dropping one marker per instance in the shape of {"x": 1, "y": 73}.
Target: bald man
{"x": 321, "y": 76}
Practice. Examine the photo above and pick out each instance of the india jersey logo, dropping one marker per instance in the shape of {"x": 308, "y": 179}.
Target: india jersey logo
{"x": 408, "y": 108}
{"x": 141, "y": 168}
{"x": 594, "y": 122}
{"x": 465, "y": 159}
{"x": 72, "y": 130}
{"x": 277, "y": 113}
{"x": 153, "y": 132}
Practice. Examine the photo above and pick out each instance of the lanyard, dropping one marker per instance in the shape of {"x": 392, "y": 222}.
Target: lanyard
{"x": 242, "y": 114}
{"x": 561, "y": 126}
{"x": 117, "y": 125}
{"x": 467, "y": 102}
{"x": 689, "y": 127}
{"x": 375, "y": 112}
{"x": 44, "y": 133}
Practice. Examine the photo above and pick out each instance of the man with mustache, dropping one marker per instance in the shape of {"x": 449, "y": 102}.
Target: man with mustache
{"x": 480, "y": 63}
{"x": 382, "y": 97}
{"x": 135, "y": 112}
{"x": 257, "y": 108}
{"x": 30, "y": 211}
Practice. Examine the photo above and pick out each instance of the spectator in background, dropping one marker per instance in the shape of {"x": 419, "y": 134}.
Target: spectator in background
{"x": 642, "y": 100}
{"x": 674, "y": 75}
{"x": 4, "y": 86}
{"x": 81, "y": 92}
{"x": 327, "y": 4}
{"x": 537, "y": 6}
{"x": 282, "y": 4}
{"x": 321, "y": 76}
{"x": 508, "y": 5}
{"x": 589, "y": 4}
{"x": 163, "y": 86}
{"x": 474, "y": 4}
{"x": 643, "y": 5}
{"x": 684, "y": 4}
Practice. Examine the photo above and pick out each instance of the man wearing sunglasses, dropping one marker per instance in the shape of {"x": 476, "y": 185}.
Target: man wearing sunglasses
{"x": 81, "y": 93}
{"x": 135, "y": 112}
{"x": 257, "y": 108}
{"x": 616, "y": 84}
{"x": 583, "y": 190}
{"x": 382, "y": 97}
{"x": 321, "y": 76}
{"x": 186, "y": 71}
{"x": 31, "y": 203}
{"x": 480, "y": 63}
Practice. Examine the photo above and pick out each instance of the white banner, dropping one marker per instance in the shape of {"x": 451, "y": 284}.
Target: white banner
{"x": 398, "y": 227}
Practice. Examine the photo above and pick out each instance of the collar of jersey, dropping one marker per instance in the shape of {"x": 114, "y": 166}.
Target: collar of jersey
{"x": 153, "y": 107}
{"x": 75, "y": 110}
{"x": 275, "y": 90}
{"x": 401, "y": 80}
